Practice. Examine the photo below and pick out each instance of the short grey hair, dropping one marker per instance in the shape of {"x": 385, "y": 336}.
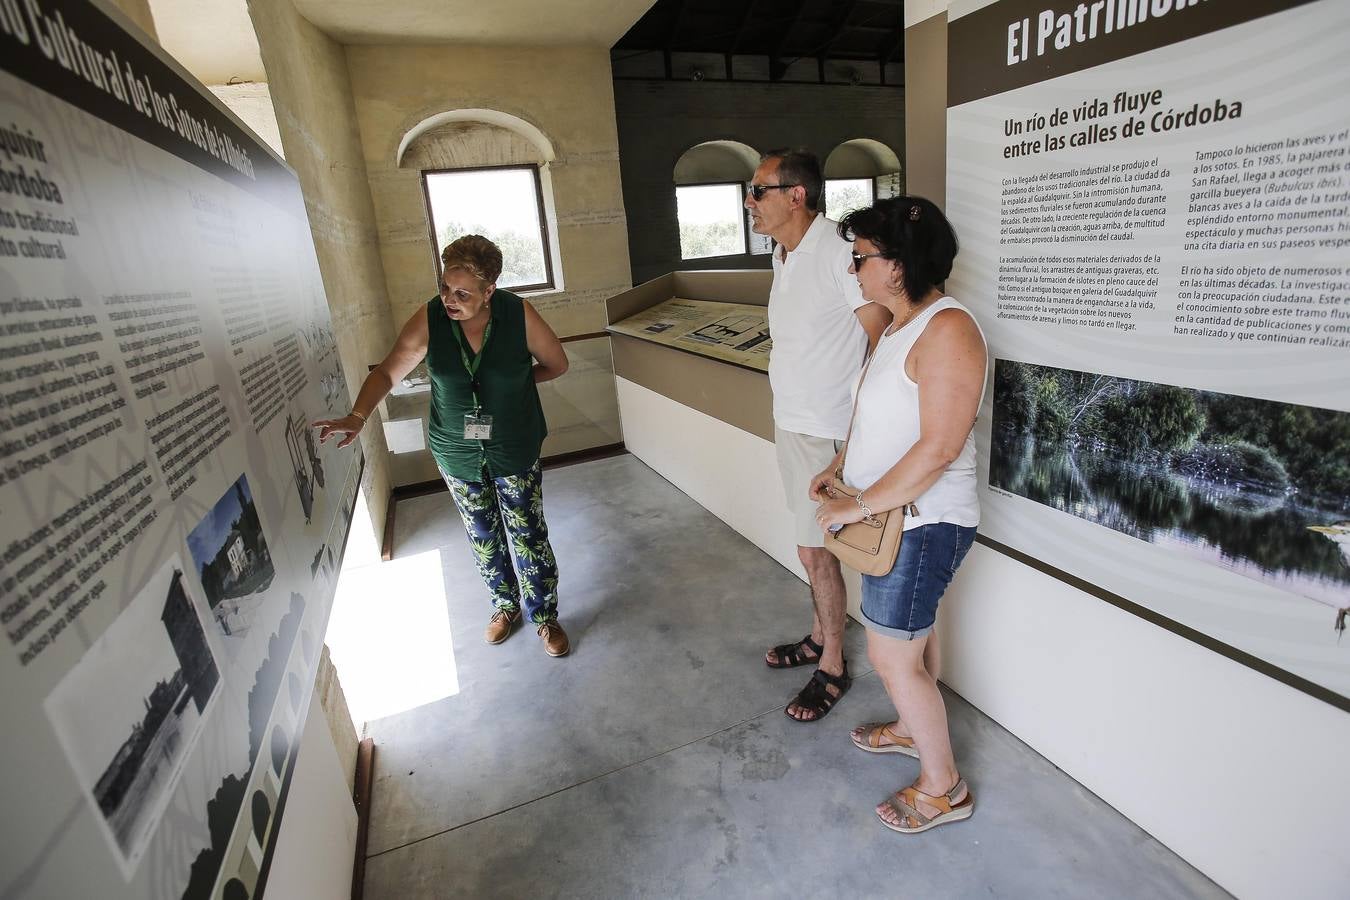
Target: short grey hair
{"x": 799, "y": 166}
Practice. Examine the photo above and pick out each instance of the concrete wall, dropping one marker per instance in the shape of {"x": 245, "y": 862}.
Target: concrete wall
{"x": 311, "y": 93}
{"x": 461, "y": 145}
{"x": 332, "y": 702}
{"x": 565, "y": 93}
{"x": 1240, "y": 775}
{"x": 926, "y": 109}
{"x": 139, "y": 12}
{"x": 659, "y": 120}
{"x": 251, "y": 101}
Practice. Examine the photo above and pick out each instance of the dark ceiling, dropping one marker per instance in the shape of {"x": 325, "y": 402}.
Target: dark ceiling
{"x": 783, "y": 30}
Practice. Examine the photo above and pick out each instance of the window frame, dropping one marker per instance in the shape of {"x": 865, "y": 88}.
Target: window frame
{"x": 741, "y": 217}
{"x": 550, "y": 283}
{"x": 871, "y": 188}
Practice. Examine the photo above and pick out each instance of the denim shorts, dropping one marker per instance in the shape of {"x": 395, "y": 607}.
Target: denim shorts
{"x": 903, "y": 603}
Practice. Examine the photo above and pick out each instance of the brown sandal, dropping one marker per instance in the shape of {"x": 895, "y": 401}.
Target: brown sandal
{"x": 816, "y": 698}
{"x": 906, "y": 803}
{"x": 870, "y": 740}
{"x": 789, "y": 656}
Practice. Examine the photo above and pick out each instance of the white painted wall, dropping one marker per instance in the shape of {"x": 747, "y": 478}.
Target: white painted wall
{"x": 729, "y": 472}
{"x": 1243, "y": 777}
{"x": 317, "y": 844}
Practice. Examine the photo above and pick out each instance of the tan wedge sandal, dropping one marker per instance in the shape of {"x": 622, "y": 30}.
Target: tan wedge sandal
{"x": 906, "y": 803}
{"x": 869, "y": 740}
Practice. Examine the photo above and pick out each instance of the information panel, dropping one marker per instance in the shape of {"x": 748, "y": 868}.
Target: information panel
{"x": 731, "y": 332}
{"x": 1165, "y": 292}
{"x": 170, "y": 529}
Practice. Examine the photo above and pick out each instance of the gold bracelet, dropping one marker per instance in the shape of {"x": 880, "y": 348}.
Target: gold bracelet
{"x": 358, "y": 415}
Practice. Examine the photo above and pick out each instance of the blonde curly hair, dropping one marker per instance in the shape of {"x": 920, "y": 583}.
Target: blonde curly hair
{"x": 474, "y": 254}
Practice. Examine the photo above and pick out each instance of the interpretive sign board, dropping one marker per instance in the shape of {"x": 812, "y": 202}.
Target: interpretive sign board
{"x": 1166, "y": 297}
{"x": 170, "y": 530}
{"x": 731, "y": 332}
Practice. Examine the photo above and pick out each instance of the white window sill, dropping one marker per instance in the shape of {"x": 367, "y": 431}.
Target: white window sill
{"x": 545, "y": 292}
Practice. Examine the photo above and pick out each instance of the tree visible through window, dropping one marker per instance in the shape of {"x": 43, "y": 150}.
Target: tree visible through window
{"x": 712, "y": 220}
{"x": 844, "y": 195}
{"x": 502, "y": 204}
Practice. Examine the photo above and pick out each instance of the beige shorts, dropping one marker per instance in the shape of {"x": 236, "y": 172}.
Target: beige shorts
{"x": 800, "y": 458}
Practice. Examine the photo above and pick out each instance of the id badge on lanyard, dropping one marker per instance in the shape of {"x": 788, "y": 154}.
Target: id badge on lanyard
{"x": 477, "y": 425}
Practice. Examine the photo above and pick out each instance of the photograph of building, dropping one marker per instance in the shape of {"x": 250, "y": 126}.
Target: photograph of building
{"x": 232, "y": 558}
{"x": 127, "y": 718}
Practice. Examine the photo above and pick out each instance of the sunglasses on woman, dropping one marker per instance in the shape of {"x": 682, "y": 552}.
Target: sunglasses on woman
{"x": 859, "y": 258}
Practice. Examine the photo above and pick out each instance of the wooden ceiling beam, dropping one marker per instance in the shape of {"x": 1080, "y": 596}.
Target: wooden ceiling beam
{"x": 746, "y": 16}
{"x": 776, "y": 67}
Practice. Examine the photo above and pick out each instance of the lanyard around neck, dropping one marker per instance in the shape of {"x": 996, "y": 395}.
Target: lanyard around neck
{"x": 471, "y": 365}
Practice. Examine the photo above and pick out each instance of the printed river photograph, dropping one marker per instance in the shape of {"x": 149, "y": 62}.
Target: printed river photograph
{"x": 1254, "y": 486}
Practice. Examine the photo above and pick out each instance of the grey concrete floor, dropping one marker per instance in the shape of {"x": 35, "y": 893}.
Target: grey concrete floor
{"x": 656, "y": 761}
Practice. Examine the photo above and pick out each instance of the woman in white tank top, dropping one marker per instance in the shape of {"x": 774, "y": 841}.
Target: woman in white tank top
{"x": 912, "y": 447}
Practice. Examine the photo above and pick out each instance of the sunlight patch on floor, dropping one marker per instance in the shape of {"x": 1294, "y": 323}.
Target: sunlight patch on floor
{"x": 389, "y": 636}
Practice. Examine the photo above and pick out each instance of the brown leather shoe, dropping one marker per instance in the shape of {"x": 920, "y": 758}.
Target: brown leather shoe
{"x": 499, "y": 627}
{"x": 555, "y": 639}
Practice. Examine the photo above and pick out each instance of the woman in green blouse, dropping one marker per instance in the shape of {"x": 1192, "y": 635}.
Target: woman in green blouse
{"x": 486, "y": 349}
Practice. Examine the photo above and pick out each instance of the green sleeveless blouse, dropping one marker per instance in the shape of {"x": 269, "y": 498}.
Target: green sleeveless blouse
{"x": 506, "y": 390}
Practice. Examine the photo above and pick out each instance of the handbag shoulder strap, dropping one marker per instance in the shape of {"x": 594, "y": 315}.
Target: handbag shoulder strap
{"x": 856, "y": 395}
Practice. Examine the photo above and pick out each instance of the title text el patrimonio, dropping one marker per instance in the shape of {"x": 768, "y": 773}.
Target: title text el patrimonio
{"x": 1083, "y": 23}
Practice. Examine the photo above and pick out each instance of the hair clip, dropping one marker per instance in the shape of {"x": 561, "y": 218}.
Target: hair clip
{"x": 914, "y": 213}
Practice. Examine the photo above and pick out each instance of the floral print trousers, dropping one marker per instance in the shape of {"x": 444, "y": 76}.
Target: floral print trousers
{"x": 509, "y": 512}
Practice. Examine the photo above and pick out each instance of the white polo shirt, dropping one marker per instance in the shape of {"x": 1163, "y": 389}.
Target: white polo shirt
{"x": 818, "y": 342}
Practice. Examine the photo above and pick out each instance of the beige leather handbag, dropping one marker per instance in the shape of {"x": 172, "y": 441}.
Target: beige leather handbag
{"x": 870, "y": 546}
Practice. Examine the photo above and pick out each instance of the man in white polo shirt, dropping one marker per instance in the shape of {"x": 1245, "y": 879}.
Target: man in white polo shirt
{"x": 821, "y": 327}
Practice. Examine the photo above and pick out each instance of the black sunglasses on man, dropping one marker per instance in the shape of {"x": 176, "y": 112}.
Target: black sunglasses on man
{"x": 759, "y": 190}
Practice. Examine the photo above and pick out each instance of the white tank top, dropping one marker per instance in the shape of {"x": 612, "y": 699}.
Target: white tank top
{"x": 886, "y": 426}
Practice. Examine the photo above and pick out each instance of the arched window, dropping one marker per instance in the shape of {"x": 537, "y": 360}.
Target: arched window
{"x": 857, "y": 174}
{"x": 710, "y": 180}
{"x": 485, "y": 172}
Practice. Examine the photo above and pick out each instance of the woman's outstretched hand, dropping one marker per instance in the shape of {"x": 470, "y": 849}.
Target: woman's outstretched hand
{"x": 349, "y": 425}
